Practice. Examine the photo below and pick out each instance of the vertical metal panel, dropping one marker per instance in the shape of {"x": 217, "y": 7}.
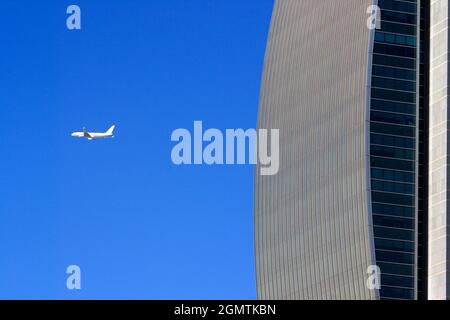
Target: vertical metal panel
{"x": 312, "y": 229}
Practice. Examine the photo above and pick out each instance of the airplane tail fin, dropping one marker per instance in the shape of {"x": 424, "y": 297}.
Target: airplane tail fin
{"x": 110, "y": 130}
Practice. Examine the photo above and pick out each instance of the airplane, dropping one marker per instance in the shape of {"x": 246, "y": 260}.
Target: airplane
{"x": 94, "y": 135}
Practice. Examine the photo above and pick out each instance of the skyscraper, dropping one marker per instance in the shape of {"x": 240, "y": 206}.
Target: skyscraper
{"x": 362, "y": 117}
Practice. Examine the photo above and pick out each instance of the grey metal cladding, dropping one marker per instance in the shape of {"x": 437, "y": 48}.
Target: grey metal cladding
{"x": 312, "y": 234}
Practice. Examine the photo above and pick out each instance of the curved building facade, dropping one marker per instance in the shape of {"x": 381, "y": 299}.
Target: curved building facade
{"x": 345, "y": 99}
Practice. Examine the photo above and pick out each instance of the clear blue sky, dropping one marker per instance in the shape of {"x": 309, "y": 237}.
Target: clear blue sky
{"x": 138, "y": 226}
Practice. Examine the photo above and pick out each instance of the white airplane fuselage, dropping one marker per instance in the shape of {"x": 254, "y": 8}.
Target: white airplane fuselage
{"x": 94, "y": 135}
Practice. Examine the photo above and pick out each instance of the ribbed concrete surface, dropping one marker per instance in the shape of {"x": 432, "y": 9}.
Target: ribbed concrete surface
{"x": 312, "y": 235}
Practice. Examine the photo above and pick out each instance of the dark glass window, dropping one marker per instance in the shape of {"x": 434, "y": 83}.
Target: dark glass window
{"x": 396, "y": 84}
{"x": 394, "y": 141}
{"x": 406, "y": 131}
{"x": 393, "y": 222}
{"x": 396, "y": 187}
{"x": 394, "y": 38}
{"x": 394, "y": 268}
{"x": 400, "y": 107}
{"x": 394, "y": 73}
{"x": 392, "y": 95}
{"x": 391, "y": 233}
{"x": 398, "y": 28}
{"x": 390, "y": 152}
{"x": 386, "y": 174}
{"x": 394, "y": 50}
{"x": 394, "y": 118}
{"x": 398, "y": 281}
{"x": 377, "y": 162}
{"x": 392, "y": 198}
{"x": 400, "y": 62}
{"x": 394, "y": 245}
{"x": 393, "y": 210}
{"x": 398, "y": 17}
{"x": 398, "y": 5}
{"x": 397, "y": 257}
{"x": 397, "y": 293}
{"x": 393, "y": 149}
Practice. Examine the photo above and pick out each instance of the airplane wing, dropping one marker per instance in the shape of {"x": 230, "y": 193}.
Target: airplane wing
{"x": 86, "y": 134}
